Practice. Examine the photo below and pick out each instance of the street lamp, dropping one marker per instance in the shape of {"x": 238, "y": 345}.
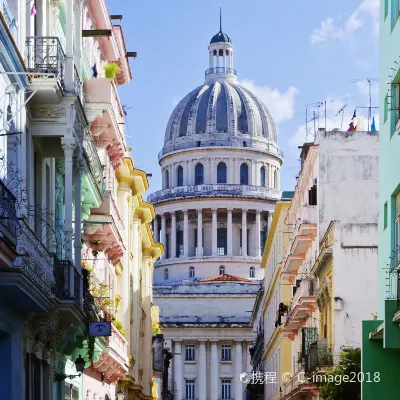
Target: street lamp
{"x": 120, "y": 395}
{"x": 79, "y": 366}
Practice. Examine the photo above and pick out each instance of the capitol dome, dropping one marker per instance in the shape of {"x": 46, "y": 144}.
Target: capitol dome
{"x": 221, "y": 112}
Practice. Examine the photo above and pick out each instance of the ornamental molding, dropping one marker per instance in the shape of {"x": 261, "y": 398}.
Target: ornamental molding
{"x": 47, "y": 113}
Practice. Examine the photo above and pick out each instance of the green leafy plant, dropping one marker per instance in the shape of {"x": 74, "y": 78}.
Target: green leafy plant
{"x": 334, "y": 387}
{"x": 111, "y": 70}
{"x": 120, "y": 327}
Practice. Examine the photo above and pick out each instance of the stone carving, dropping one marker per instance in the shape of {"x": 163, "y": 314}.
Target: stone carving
{"x": 48, "y": 113}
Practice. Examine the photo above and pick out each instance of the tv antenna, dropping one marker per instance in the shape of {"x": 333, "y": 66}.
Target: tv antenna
{"x": 341, "y": 111}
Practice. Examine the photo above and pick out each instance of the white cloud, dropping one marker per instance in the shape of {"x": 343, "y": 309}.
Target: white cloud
{"x": 366, "y": 13}
{"x": 280, "y": 104}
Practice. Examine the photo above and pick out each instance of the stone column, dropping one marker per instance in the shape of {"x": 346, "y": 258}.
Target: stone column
{"x": 202, "y": 371}
{"x": 278, "y": 179}
{"x": 230, "y": 177}
{"x": 230, "y": 245}
{"x": 248, "y": 358}
{"x": 244, "y": 232}
{"x": 156, "y": 232}
{"x": 164, "y": 233}
{"x": 258, "y": 233}
{"x": 186, "y": 233}
{"x": 190, "y": 173}
{"x": 214, "y": 231}
{"x": 214, "y": 373}
{"x": 178, "y": 376}
{"x": 200, "y": 233}
{"x": 68, "y": 145}
{"x": 172, "y": 235}
{"x": 185, "y": 167}
{"x": 238, "y": 370}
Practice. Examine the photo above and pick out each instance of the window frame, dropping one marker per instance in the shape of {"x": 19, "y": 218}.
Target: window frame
{"x": 222, "y": 241}
{"x": 199, "y": 178}
{"x": 192, "y": 272}
{"x": 167, "y": 179}
{"x": 226, "y": 352}
{"x": 226, "y": 389}
{"x": 190, "y": 389}
{"x": 222, "y": 268}
{"x": 166, "y": 274}
{"x": 224, "y": 178}
{"x": 190, "y": 352}
{"x": 244, "y": 177}
{"x": 252, "y": 272}
{"x": 179, "y": 176}
{"x": 262, "y": 176}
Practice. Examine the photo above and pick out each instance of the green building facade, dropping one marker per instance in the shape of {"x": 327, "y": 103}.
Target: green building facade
{"x": 381, "y": 336}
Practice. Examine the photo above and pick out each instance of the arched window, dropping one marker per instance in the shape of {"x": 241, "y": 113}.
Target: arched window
{"x": 221, "y": 270}
{"x": 252, "y": 272}
{"x": 276, "y": 179}
{"x": 191, "y": 272}
{"x": 262, "y": 176}
{"x": 166, "y": 179}
{"x": 180, "y": 176}
{"x": 221, "y": 172}
{"x": 199, "y": 174}
{"x": 244, "y": 174}
{"x": 166, "y": 275}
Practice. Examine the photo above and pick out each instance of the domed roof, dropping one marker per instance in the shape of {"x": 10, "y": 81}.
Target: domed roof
{"x": 220, "y": 113}
{"x": 220, "y": 37}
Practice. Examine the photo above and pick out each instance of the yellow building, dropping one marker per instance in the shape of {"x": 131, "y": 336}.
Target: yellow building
{"x": 135, "y": 280}
{"x": 277, "y": 355}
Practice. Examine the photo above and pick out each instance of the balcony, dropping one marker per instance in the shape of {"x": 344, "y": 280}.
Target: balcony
{"x": 65, "y": 273}
{"x": 258, "y": 349}
{"x": 9, "y": 225}
{"x": 220, "y": 70}
{"x": 45, "y": 60}
{"x": 301, "y": 308}
{"x": 319, "y": 357}
{"x": 217, "y": 190}
{"x": 105, "y": 232}
{"x": 309, "y": 221}
{"x": 114, "y": 361}
{"x": 103, "y": 106}
{"x": 29, "y": 284}
{"x": 299, "y": 387}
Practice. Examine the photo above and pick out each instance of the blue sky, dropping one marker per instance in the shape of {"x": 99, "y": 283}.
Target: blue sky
{"x": 290, "y": 55}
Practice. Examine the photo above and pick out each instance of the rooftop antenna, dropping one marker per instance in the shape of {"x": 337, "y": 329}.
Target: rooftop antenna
{"x": 220, "y": 19}
{"x": 341, "y": 111}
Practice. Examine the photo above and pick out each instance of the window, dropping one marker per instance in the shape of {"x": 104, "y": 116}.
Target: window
{"x": 222, "y": 241}
{"x": 221, "y": 270}
{"x": 167, "y": 179}
{"x": 166, "y": 274}
{"x": 191, "y": 272}
{"x": 195, "y": 242}
{"x": 263, "y": 239}
{"x": 252, "y": 272}
{"x": 179, "y": 243}
{"x": 244, "y": 174}
{"x": 395, "y": 104}
{"x": 190, "y": 389}
{"x": 312, "y": 196}
{"x": 226, "y": 354}
{"x": 199, "y": 174}
{"x": 385, "y": 215}
{"x": 190, "y": 352}
{"x": 262, "y": 176}
{"x": 226, "y": 389}
{"x": 180, "y": 176}
{"x": 221, "y": 172}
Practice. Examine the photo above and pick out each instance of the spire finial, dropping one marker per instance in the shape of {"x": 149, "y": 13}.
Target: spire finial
{"x": 220, "y": 19}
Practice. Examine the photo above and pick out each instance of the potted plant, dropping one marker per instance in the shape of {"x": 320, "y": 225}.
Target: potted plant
{"x": 111, "y": 70}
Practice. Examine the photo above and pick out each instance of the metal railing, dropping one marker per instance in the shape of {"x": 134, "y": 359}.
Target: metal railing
{"x": 213, "y": 190}
{"x": 8, "y": 214}
{"x": 319, "y": 355}
{"x": 77, "y": 83}
{"x": 44, "y": 54}
{"x": 220, "y": 70}
{"x": 62, "y": 274}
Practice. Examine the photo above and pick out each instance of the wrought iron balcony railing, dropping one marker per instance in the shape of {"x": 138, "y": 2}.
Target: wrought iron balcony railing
{"x": 9, "y": 225}
{"x": 318, "y": 356}
{"x": 44, "y": 54}
{"x": 63, "y": 277}
{"x": 220, "y": 70}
